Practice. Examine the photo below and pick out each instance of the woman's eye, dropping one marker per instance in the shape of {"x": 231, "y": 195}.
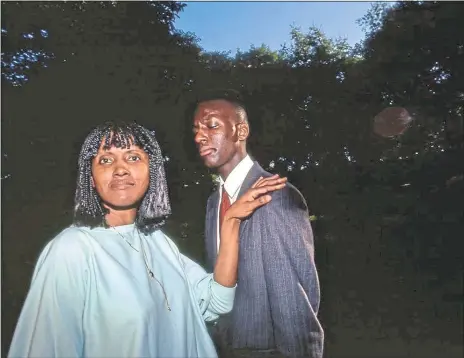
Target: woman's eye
{"x": 134, "y": 158}
{"x": 105, "y": 160}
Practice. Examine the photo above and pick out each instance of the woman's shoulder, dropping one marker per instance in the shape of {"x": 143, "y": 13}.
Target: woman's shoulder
{"x": 73, "y": 235}
{"x": 69, "y": 248}
{"x": 71, "y": 241}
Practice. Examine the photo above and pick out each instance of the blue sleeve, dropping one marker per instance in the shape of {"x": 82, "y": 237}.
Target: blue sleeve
{"x": 50, "y": 323}
{"x": 291, "y": 276}
{"x": 213, "y": 298}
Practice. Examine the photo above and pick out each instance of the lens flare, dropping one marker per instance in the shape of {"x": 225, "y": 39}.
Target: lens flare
{"x": 392, "y": 122}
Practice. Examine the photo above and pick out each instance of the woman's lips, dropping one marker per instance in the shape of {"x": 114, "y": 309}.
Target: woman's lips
{"x": 121, "y": 184}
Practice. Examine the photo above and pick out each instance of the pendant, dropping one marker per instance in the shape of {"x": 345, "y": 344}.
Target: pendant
{"x": 151, "y": 274}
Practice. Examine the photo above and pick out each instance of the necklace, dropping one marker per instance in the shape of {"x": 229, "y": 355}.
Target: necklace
{"x": 145, "y": 261}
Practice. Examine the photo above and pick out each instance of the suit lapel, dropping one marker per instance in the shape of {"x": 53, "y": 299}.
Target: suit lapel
{"x": 211, "y": 237}
{"x": 255, "y": 172}
{"x": 212, "y": 212}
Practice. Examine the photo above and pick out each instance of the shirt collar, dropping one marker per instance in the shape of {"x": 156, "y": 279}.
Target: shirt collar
{"x": 237, "y": 176}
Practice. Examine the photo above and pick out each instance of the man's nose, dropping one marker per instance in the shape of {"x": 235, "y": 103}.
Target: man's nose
{"x": 200, "y": 137}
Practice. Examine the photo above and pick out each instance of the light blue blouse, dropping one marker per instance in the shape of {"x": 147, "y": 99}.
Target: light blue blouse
{"x": 91, "y": 296}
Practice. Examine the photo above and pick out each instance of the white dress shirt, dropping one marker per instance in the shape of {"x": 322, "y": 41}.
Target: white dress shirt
{"x": 232, "y": 186}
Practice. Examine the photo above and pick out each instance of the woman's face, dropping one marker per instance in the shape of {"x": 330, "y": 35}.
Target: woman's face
{"x": 121, "y": 176}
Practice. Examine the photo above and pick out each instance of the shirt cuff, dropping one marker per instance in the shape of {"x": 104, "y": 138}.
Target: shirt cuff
{"x": 227, "y": 294}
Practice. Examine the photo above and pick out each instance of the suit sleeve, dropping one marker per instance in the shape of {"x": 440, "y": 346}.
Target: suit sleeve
{"x": 290, "y": 274}
{"x": 50, "y": 323}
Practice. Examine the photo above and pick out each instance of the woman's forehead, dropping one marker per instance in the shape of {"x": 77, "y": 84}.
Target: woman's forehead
{"x": 118, "y": 147}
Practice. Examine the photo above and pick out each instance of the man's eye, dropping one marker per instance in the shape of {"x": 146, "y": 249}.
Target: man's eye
{"x": 105, "y": 160}
{"x": 212, "y": 125}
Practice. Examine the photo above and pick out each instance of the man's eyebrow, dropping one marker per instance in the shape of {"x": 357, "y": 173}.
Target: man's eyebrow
{"x": 207, "y": 117}
{"x": 210, "y": 114}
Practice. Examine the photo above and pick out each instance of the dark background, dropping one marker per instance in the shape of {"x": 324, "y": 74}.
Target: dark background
{"x": 387, "y": 213}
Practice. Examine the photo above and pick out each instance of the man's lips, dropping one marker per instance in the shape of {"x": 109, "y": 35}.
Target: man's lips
{"x": 206, "y": 151}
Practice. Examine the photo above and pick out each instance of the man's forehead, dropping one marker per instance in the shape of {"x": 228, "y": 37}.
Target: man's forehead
{"x": 208, "y": 108}
{"x": 215, "y": 105}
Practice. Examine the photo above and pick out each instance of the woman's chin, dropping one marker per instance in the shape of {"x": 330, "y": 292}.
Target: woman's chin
{"x": 122, "y": 205}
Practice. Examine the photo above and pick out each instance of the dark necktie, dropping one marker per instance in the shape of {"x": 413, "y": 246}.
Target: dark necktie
{"x": 225, "y": 204}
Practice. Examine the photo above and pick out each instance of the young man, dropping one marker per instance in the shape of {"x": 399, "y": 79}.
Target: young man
{"x": 277, "y": 297}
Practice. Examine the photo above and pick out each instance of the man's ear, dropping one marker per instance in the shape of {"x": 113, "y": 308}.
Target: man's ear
{"x": 92, "y": 181}
{"x": 243, "y": 131}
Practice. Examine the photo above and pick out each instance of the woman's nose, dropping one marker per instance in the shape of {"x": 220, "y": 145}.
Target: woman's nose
{"x": 121, "y": 170}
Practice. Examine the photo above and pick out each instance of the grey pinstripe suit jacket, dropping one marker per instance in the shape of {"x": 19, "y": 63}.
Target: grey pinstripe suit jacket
{"x": 278, "y": 294}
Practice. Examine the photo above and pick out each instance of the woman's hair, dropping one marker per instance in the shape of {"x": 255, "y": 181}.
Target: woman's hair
{"x": 155, "y": 206}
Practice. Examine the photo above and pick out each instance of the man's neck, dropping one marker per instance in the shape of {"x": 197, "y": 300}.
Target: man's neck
{"x": 236, "y": 177}
{"x": 227, "y": 168}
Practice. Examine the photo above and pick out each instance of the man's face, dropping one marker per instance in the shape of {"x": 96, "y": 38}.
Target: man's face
{"x": 218, "y": 133}
{"x": 121, "y": 176}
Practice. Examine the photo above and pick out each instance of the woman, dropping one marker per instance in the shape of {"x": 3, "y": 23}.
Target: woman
{"x": 112, "y": 284}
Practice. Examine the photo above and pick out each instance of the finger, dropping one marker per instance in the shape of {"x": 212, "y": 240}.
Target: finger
{"x": 269, "y": 181}
{"x": 271, "y": 184}
{"x": 269, "y": 177}
{"x": 255, "y": 204}
{"x": 257, "y": 182}
{"x": 262, "y": 180}
{"x": 256, "y": 192}
{"x": 274, "y": 177}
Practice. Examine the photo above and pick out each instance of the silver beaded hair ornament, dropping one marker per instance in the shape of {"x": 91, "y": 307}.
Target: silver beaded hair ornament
{"x": 155, "y": 206}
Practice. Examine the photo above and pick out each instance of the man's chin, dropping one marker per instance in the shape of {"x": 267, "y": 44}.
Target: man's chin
{"x": 211, "y": 164}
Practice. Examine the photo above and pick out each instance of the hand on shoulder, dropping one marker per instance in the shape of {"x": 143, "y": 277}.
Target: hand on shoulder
{"x": 255, "y": 197}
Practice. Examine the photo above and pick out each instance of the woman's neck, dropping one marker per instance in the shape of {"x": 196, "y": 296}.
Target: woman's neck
{"x": 119, "y": 218}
